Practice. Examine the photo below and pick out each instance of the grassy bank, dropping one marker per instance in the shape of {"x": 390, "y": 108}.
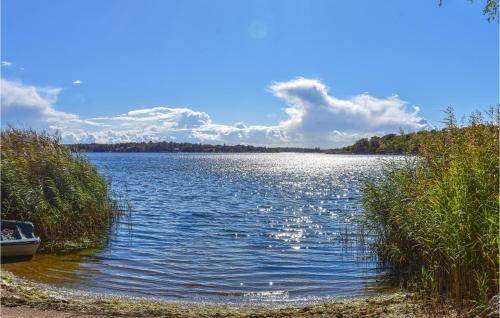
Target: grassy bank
{"x": 62, "y": 194}
{"x": 436, "y": 216}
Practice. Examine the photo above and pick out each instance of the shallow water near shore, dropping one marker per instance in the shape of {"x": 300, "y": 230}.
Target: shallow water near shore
{"x": 227, "y": 228}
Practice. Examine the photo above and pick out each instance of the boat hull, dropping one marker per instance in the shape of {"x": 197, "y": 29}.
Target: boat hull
{"x": 14, "y": 249}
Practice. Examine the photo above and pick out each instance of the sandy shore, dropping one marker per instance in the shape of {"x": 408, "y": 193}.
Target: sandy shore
{"x": 28, "y": 312}
{"x": 22, "y": 299}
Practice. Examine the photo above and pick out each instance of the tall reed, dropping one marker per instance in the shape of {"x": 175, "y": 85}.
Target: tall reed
{"x": 436, "y": 216}
{"x": 61, "y": 193}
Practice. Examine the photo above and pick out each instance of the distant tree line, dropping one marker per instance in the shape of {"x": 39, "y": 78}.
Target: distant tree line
{"x": 165, "y": 146}
{"x": 170, "y": 146}
{"x": 392, "y": 144}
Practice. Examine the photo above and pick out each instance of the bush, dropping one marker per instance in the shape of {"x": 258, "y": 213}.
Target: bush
{"x": 436, "y": 215}
{"x": 62, "y": 194}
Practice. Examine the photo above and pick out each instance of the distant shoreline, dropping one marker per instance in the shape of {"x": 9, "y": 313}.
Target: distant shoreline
{"x": 391, "y": 144}
{"x": 242, "y": 153}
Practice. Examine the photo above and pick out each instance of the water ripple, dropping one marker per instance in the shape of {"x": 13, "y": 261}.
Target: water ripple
{"x": 227, "y": 227}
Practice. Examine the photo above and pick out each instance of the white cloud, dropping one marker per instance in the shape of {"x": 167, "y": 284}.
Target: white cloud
{"x": 317, "y": 118}
{"x": 77, "y": 82}
{"x": 30, "y": 106}
{"x": 314, "y": 118}
{"x": 11, "y": 64}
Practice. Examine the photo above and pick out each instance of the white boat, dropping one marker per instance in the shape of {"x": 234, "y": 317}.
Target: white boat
{"x": 18, "y": 239}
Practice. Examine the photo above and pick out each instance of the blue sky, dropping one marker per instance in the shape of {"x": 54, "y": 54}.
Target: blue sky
{"x": 261, "y": 72}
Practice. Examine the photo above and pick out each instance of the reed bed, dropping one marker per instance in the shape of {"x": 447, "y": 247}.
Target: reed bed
{"x": 60, "y": 192}
{"x": 436, "y": 216}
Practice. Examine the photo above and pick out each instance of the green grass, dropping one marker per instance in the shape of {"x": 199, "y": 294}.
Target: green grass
{"x": 62, "y": 194}
{"x": 436, "y": 216}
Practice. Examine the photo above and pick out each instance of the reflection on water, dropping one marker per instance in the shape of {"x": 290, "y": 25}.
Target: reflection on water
{"x": 64, "y": 270}
{"x": 230, "y": 227}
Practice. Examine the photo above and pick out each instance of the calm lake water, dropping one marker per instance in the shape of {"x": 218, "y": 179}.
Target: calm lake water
{"x": 227, "y": 227}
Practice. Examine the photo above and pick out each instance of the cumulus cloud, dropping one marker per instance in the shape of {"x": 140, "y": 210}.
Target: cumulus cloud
{"x": 30, "y": 106}
{"x": 314, "y": 118}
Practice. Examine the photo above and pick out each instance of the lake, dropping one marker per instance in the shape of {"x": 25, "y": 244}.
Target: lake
{"x": 227, "y": 227}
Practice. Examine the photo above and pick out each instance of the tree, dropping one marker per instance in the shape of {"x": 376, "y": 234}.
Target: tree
{"x": 490, "y": 9}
